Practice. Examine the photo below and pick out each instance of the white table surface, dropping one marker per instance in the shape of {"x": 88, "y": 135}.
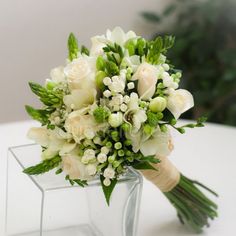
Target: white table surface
{"x": 207, "y": 154}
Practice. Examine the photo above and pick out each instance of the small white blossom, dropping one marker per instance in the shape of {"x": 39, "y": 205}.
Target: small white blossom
{"x": 126, "y": 99}
{"x": 109, "y": 172}
{"x": 107, "y": 182}
{"x": 105, "y": 150}
{"x": 130, "y": 85}
{"x": 166, "y": 67}
{"x": 123, "y": 107}
{"x": 117, "y": 85}
{"x": 57, "y": 120}
{"x": 89, "y": 133}
{"x": 97, "y": 140}
{"x": 90, "y": 153}
{"x": 116, "y": 108}
{"x": 85, "y": 159}
{"x": 91, "y": 169}
{"x": 102, "y": 157}
{"x": 115, "y": 119}
{"x": 107, "y": 93}
{"x": 107, "y": 81}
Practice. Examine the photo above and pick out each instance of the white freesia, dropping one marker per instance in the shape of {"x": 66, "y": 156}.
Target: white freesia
{"x": 57, "y": 74}
{"x": 39, "y": 135}
{"x": 179, "y": 101}
{"x": 138, "y": 114}
{"x": 80, "y": 98}
{"x": 67, "y": 148}
{"x": 139, "y": 117}
{"x": 146, "y": 75}
{"x": 73, "y": 167}
{"x": 80, "y": 73}
{"x": 158, "y": 144}
{"x": 168, "y": 81}
{"x": 117, "y": 35}
{"x": 97, "y": 46}
{"x": 55, "y": 141}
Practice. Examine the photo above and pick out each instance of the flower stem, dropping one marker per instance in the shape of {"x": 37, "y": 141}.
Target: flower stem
{"x": 193, "y": 207}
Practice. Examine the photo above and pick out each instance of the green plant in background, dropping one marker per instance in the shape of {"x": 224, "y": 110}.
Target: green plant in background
{"x": 206, "y": 50}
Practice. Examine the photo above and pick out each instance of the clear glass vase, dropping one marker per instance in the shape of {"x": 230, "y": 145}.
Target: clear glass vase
{"x": 46, "y": 205}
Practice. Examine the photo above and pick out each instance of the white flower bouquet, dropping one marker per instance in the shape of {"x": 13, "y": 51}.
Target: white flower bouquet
{"x": 112, "y": 107}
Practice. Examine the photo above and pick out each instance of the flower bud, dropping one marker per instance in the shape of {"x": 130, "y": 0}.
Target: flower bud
{"x": 115, "y": 119}
{"x": 158, "y": 104}
{"x": 99, "y": 79}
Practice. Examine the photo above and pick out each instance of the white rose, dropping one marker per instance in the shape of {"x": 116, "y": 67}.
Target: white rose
{"x": 80, "y": 98}
{"x": 73, "y": 167}
{"x": 146, "y": 75}
{"x": 57, "y": 74}
{"x": 158, "y": 144}
{"x": 82, "y": 125}
{"x": 81, "y": 73}
{"x": 179, "y": 101}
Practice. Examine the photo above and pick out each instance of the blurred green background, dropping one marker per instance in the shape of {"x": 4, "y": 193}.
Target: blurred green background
{"x": 205, "y": 50}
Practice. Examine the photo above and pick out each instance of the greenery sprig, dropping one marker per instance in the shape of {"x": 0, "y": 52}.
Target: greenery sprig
{"x": 73, "y": 48}
{"x": 44, "y": 166}
{"x": 49, "y": 97}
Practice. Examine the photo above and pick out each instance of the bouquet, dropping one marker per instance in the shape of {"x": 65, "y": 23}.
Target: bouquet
{"x": 112, "y": 107}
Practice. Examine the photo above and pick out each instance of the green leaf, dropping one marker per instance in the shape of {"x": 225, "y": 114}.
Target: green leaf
{"x": 38, "y": 114}
{"x": 81, "y": 183}
{"x": 73, "y": 48}
{"x": 112, "y": 69}
{"x": 169, "y": 9}
{"x": 84, "y": 50}
{"x": 151, "y": 159}
{"x": 107, "y": 190}
{"x": 47, "y": 96}
{"x": 151, "y": 16}
{"x": 155, "y": 48}
{"x": 44, "y": 166}
{"x": 143, "y": 165}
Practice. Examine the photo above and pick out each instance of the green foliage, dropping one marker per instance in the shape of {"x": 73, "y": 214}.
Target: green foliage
{"x": 101, "y": 114}
{"x": 143, "y": 166}
{"x": 205, "y": 49}
{"x": 199, "y": 123}
{"x": 158, "y": 46}
{"x": 112, "y": 69}
{"x": 84, "y": 50}
{"x": 81, "y": 183}
{"x": 152, "y": 159}
{"x": 44, "y": 166}
{"x": 153, "y": 118}
{"x": 107, "y": 190}
{"x": 73, "y": 48}
{"x": 194, "y": 208}
{"x": 39, "y": 114}
{"x": 114, "y": 49}
{"x": 47, "y": 96}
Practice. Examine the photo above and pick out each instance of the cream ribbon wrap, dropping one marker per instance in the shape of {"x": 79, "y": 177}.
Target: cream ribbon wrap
{"x": 166, "y": 177}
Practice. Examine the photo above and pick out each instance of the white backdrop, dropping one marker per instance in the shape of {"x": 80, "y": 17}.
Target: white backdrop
{"x": 33, "y": 38}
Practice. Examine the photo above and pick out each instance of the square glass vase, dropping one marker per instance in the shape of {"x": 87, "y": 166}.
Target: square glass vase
{"x": 46, "y": 205}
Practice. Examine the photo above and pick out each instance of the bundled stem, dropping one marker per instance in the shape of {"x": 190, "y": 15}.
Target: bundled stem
{"x": 193, "y": 207}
